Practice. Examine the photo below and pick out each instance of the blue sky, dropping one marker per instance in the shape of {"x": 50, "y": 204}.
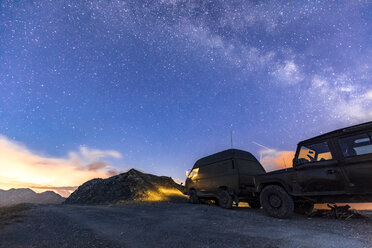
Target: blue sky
{"x": 164, "y": 83}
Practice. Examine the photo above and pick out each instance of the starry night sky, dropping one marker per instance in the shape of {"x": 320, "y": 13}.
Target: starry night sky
{"x": 165, "y": 82}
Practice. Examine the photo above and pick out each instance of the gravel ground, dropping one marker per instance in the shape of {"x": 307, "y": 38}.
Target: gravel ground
{"x": 176, "y": 225}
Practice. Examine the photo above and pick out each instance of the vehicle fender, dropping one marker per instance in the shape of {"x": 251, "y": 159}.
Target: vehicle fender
{"x": 187, "y": 192}
{"x": 278, "y": 182}
{"x": 230, "y": 190}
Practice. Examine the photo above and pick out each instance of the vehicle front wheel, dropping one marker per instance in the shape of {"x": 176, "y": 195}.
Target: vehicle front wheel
{"x": 254, "y": 204}
{"x": 304, "y": 208}
{"x": 225, "y": 200}
{"x": 193, "y": 197}
{"x": 276, "y": 202}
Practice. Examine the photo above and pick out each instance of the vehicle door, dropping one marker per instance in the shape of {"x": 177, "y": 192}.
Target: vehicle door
{"x": 356, "y": 151}
{"x": 205, "y": 178}
{"x": 226, "y": 174}
{"x": 317, "y": 171}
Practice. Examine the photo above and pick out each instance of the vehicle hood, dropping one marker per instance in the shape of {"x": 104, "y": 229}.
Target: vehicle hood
{"x": 276, "y": 172}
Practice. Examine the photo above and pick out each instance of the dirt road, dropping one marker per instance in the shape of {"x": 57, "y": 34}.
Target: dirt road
{"x": 176, "y": 225}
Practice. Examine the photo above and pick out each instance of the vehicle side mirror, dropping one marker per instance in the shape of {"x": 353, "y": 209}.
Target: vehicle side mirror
{"x": 187, "y": 173}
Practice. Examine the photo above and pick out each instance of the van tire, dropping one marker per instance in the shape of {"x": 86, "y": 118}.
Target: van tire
{"x": 304, "y": 208}
{"x": 193, "y": 197}
{"x": 225, "y": 200}
{"x": 254, "y": 204}
{"x": 276, "y": 202}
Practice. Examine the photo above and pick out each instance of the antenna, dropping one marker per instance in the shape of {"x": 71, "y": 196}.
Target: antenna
{"x": 231, "y": 138}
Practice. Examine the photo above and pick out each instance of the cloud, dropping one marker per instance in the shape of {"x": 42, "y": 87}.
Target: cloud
{"x": 22, "y": 168}
{"x": 320, "y": 83}
{"x": 88, "y": 158}
{"x": 288, "y": 73}
{"x": 341, "y": 99}
{"x": 215, "y": 46}
{"x": 272, "y": 159}
{"x": 248, "y": 58}
{"x": 368, "y": 95}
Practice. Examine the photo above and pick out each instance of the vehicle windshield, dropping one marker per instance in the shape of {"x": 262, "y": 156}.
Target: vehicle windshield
{"x": 194, "y": 173}
{"x": 314, "y": 153}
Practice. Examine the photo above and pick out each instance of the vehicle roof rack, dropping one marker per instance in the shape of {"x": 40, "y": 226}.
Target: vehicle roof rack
{"x": 362, "y": 126}
{"x": 226, "y": 154}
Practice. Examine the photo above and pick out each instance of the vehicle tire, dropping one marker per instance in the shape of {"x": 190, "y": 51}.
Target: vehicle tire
{"x": 254, "y": 204}
{"x": 276, "y": 202}
{"x": 193, "y": 197}
{"x": 304, "y": 208}
{"x": 225, "y": 200}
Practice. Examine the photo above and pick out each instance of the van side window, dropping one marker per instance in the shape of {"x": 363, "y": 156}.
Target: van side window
{"x": 222, "y": 167}
{"x": 356, "y": 145}
{"x": 314, "y": 153}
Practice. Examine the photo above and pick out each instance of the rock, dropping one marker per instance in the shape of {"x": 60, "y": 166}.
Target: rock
{"x": 337, "y": 212}
{"x": 130, "y": 186}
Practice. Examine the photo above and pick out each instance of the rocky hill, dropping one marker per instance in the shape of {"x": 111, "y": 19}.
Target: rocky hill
{"x": 15, "y": 196}
{"x": 130, "y": 186}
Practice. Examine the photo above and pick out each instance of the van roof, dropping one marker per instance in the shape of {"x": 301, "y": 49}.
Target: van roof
{"x": 364, "y": 126}
{"x": 226, "y": 154}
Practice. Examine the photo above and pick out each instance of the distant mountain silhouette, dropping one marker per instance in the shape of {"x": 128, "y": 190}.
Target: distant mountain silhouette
{"x": 15, "y": 196}
{"x": 130, "y": 186}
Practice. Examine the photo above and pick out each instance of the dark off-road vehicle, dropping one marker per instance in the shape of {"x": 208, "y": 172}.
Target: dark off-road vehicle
{"x": 333, "y": 167}
{"x": 224, "y": 177}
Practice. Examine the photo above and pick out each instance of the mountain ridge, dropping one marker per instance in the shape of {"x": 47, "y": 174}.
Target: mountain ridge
{"x": 26, "y": 195}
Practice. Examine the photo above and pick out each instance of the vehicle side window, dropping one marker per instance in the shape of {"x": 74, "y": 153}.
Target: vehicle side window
{"x": 356, "y": 145}
{"x": 222, "y": 167}
{"x": 314, "y": 153}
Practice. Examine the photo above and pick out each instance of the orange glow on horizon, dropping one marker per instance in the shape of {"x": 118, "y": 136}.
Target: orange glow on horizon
{"x": 21, "y": 168}
{"x": 276, "y": 160}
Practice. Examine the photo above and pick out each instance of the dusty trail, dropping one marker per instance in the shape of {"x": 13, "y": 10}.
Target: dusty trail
{"x": 176, "y": 225}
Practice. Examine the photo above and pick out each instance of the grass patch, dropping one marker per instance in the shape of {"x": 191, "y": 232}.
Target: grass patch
{"x": 10, "y": 212}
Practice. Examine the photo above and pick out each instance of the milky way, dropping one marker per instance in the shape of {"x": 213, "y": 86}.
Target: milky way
{"x": 165, "y": 82}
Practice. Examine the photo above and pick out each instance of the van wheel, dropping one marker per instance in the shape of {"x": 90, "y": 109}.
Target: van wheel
{"x": 304, "y": 208}
{"x": 276, "y": 202}
{"x": 193, "y": 197}
{"x": 254, "y": 204}
{"x": 225, "y": 200}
